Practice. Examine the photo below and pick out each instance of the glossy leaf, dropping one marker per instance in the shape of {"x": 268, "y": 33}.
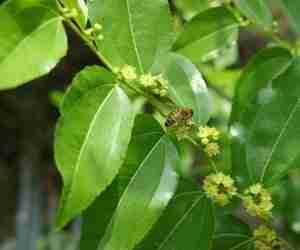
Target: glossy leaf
{"x": 91, "y": 142}
{"x": 207, "y": 33}
{"x": 231, "y": 233}
{"x": 256, "y": 10}
{"x": 87, "y": 80}
{"x": 147, "y": 194}
{"x": 258, "y": 74}
{"x": 146, "y": 131}
{"x": 187, "y": 87}
{"x": 32, "y": 40}
{"x": 292, "y": 9}
{"x": 97, "y": 217}
{"x": 135, "y": 32}
{"x": 81, "y": 8}
{"x": 187, "y": 223}
{"x": 190, "y": 8}
{"x": 262, "y": 69}
{"x": 267, "y": 135}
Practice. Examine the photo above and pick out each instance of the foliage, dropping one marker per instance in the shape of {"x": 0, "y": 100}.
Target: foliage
{"x": 127, "y": 171}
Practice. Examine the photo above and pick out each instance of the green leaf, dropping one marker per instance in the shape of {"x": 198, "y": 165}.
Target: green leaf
{"x": 231, "y": 233}
{"x": 87, "y": 80}
{"x": 291, "y": 205}
{"x": 81, "y": 8}
{"x": 135, "y": 32}
{"x": 32, "y": 40}
{"x": 265, "y": 135}
{"x": 187, "y": 88}
{"x": 262, "y": 69}
{"x": 148, "y": 192}
{"x": 96, "y": 218}
{"x": 190, "y": 8}
{"x": 292, "y": 9}
{"x": 146, "y": 131}
{"x": 207, "y": 33}
{"x": 91, "y": 143}
{"x": 187, "y": 223}
{"x": 256, "y": 10}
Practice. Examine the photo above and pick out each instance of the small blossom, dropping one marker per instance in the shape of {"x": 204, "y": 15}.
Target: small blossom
{"x": 148, "y": 81}
{"x": 100, "y": 37}
{"x": 220, "y": 188}
{"x": 155, "y": 84}
{"x": 116, "y": 70}
{"x": 207, "y": 136}
{"x": 208, "y": 133}
{"x": 97, "y": 27}
{"x": 65, "y": 9}
{"x": 212, "y": 149}
{"x": 128, "y": 73}
{"x": 258, "y": 201}
{"x": 204, "y": 141}
{"x": 163, "y": 92}
{"x": 265, "y": 238}
{"x": 163, "y": 82}
{"x": 89, "y": 31}
{"x": 204, "y": 132}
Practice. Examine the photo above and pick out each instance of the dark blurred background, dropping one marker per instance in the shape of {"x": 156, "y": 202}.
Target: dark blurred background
{"x": 29, "y": 181}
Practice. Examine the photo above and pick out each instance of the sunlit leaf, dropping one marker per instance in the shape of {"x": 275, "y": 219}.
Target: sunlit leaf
{"x": 32, "y": 40}
{"x": 187, "y": 87}
{"x": 135, "y": 32}
{"x": 91, "y": 142}
{"x": 148, "y": 192}
{"x": 187, "y": 223}
{"x": 264, "y": 119}
{"x": 207, "y": 33}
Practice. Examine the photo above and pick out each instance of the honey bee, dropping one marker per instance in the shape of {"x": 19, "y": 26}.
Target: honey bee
{"x": 180, "y": 116}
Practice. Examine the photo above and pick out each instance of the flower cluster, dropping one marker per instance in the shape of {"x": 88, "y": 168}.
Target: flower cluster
{"x": 258, "y": 201}
{"x": 208, "y": 137}
{"x": 220, "y": 188}
{"x": 265, "y": 238}
{"x": 155, "y": 84}
{"x": 94, "y": 32}
{"x": 127, "y": 73}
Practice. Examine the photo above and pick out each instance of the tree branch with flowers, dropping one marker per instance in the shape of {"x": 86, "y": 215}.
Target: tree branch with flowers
{"x": 122, "y": 165}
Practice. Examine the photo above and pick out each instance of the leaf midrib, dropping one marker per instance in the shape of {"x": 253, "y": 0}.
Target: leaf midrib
{"x": 76, "y": 168}
{"x": 129, "y": 184}
{"x": 208, "y": 35}
{"x": 182, "y": 219}
{"x": 131, "y": 30}
{"x": 280, "y": 135}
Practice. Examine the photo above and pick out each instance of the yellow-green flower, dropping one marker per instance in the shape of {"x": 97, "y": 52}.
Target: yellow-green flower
{"x": 212, "y": 149}
{"x": 208, "y": 136}
{"x": 220, "y": 188}
{"x": 265, "y": 238}
{"x": 97, "y": 27}
{"x": 155, "y": 84}
{"x": 210, "y": 133}
{"x": 163, "y": 82}
{"x": 148, "y": 81}
{"x": 128, "y": 73}
{"x": 258, "y": 201}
